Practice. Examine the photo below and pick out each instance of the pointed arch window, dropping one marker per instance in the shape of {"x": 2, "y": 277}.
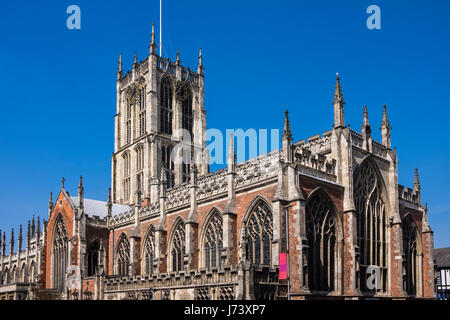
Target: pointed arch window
{"x": 213, "y": 241}
{"x": 127, "y": 171}
{"x": 167, "y": 161}
{"x": 187, "y": 114}
{"x": 321, "y": 235}
{"x": 149, "y": 251}
{"x": 410, "y": 256}
{"x": 128, "y": 122}
{"x": 259, "y": 233}
{"x": 177, "y": 247}
{"x": 92, "y": 257}
{"x": 122, "y": 256}
{"x": 60, "y": 253}
{"x": 165, "y": 98}
{"x": 371, "y": 225}
{"x": 142, "y": 112}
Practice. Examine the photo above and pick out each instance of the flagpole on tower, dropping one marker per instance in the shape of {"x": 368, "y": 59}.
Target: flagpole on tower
{"x": 160, "y": 28}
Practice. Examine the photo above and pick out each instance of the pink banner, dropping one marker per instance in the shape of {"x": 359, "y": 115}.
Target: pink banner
{"x": 283, "y": 266}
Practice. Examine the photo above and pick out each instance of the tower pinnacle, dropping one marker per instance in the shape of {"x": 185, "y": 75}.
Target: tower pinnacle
{"x": 135, "y": 60}
{"x": 338, "y": 103}
{"x": 200, "y": 62}
{"x": 385, "y": 130}
{"x": 178, "y": 61}
{"x": 153, "y": 43}
{"x": 119, "y": 69}
{"x": 286, "y": 140}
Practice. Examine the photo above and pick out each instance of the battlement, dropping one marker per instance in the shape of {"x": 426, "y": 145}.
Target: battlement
{"x": 163, "y": 65}
{"x": 408, "y": 195}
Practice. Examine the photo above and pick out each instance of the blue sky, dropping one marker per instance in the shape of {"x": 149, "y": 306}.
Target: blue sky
{"x": 57, "y": 86}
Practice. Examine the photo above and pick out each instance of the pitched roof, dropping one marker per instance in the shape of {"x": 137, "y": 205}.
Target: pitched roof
{"x": 98, "y": 208}
{"x": 442, "y": 257}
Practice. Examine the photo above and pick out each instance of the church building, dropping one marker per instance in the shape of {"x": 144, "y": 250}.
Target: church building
{"x": 171, "y": 229}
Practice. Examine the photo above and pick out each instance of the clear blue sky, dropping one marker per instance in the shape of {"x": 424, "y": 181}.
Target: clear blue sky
{"x": 58, "y": 86}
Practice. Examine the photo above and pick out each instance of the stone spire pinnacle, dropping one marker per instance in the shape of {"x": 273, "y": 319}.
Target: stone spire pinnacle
{"x": 338, "y": 104}
{"x": 178, "y": 61}
{"x": 11, "y": 242}
{"x": 366, "y": 132}
{"x": 33, "y": 227}
{"x": 28, "y": 234}
{"x": 119, "y": 69}
{"x": 50, "y": 206}
{"x": 286, "y": 140}
{"x": 287, "y": 127}
{"x": 385, "y": 129}
{"x": 416, "y": 179}
{"x": 365, "y": 116}
{"x": 138, "y": 191}
{"x": 231, "y": 158}
{"x": 109, "y": 204}
{"x": 4, "y": 244}
{"x": 153, "y": 42}
{"x": 200, "y": 62}
{"x": 38, "y": 231}
{"x": 417, "y": 191}
{"x": 338, "y": 97}
{"x": 81, "y": 193}
{"x": 63, "y": 180}
{"x": 20, "y": 239}
{"x": 135, "y": 60}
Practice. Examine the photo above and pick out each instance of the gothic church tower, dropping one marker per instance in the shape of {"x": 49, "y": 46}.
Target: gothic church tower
{"x": 160, "y": 121}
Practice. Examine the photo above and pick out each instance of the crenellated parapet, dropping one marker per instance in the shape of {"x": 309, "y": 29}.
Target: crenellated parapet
{"x": 408, "y": 196}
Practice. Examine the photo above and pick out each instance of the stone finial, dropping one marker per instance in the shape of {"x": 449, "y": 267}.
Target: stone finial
{"x": 50, "y": 205}
{"x": 109, "y": 204}
{"x": 200, "y": 62}
{"x": 1, "y": 243}
{"x": 286, "y": 140}
{"x": 178, "y": 61}
{"x": 135, "y": 60}
{"x": 287, "y": 127}
{"x": 33, "y": 227}
{"x": 338, "y": 103}
{"x": 194, "y": 174}
{"x": 63, "y": 180}
{"x": 231, "y": 158}
{"x": 338, "y": 97}
{"x": 138, "y": 191}
{"x": 366, "y": 132}
{"x": 365, "y": 116}
{"x": 4, "y": 244}
{"x": 119, "y": 69}
{"x": 38, "y": 229}
{"x": 20, "y": 239}
{"x": 416, "y": 179}
{"x": 385, "y": 129}
{"x": 81, "y": 193}
{"x": 11, "y": 242}
{"x": 417, "y": 186}
{"x": 153, "y": 42}
{"x": 28, "y": 234}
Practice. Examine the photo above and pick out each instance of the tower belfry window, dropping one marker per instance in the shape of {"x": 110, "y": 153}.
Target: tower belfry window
{"x": 142, "y": 112}
{"x": 187, "y": 114}
{"x": 165, "y": 101}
